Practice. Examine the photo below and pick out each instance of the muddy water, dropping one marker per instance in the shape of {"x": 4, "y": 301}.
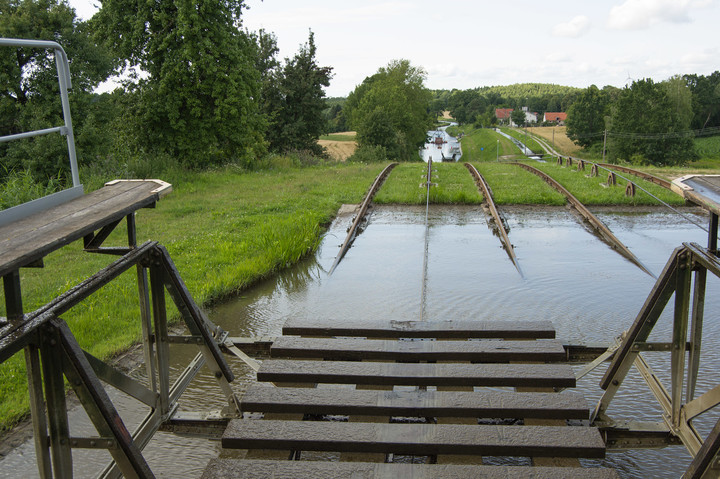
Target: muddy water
{"x": 571, "y": 277}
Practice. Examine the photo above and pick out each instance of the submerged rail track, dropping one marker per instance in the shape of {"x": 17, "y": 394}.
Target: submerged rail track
{"x": 488, "y": 197}
{"x": 352, "y": 232}
{"x": 599, "y": 226}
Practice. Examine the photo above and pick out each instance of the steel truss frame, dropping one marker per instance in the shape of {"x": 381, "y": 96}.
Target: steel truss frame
{"x": 679, "y": 404}
{"x": 52, "y": 354}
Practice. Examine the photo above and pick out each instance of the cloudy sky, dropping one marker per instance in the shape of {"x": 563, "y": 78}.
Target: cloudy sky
{"x": 471, "y": 43}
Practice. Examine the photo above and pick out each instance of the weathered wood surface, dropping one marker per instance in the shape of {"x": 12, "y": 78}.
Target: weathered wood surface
{"x": 492, "y": 351}
{"x": 423, "y": 374}
{"x": 422, "y": 329}
{"x": 30, "y": 239}
{"x": 415, "y": 439}
{"x": 485, "y": 404}
{"x": 258, "y": 469}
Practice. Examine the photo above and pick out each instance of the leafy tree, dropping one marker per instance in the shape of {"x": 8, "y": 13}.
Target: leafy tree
{"x": 647, "y": 127}
{"x": 705, "y": 99}
{"x": 391, "y": 109}
{"x": 29, "y": 98}
{"x": 586, "y": 116}
{"x": 518, "y": 117}
{"x": 297, "y": 104}
{"x": 196, "y": 96}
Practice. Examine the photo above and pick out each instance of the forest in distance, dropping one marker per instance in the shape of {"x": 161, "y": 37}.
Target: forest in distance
{"x": 202, "y": 92}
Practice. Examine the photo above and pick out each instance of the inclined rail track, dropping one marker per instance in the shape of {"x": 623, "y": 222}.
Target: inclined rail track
{"x": 599, "y": 226}
{"x": 352, "y": 232}
{"x": 488, "y": 198}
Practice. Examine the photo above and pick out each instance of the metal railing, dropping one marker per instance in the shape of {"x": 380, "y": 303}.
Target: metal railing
{"x": 679, "y": 403}
{"x": 63, "y": 69}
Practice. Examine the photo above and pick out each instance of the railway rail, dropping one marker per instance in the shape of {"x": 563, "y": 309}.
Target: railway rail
{"x": 599, "y": 226}
{"x": 500, "y": 225}
{"x": 360, "y": 215}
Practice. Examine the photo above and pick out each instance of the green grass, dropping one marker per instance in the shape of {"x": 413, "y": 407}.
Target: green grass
{"x": 512, "y": 185}
{"x": 483, "y": 144}
{"x": 224, "y": 229}
{"x": 527, "y": 140}
{"x": 590, "y": 190}
{"x": 406, "y": 185}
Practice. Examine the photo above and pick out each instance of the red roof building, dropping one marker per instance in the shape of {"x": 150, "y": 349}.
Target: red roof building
{"x": 503, "y": 113}
{"x": 557, "y": 117}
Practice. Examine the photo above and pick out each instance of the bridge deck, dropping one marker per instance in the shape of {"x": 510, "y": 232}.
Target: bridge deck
{"x": 435, "y": 399}
{"x": 28, "y": 240}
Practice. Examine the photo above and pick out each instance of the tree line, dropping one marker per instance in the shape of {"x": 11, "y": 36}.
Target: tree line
{"x": 647, "y": 122}
{"x": 478, "y": 105}
{"x": 198, "y": 89}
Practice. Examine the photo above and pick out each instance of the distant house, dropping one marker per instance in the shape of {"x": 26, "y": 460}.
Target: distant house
{"x": 555, "y": 117}
{"x": 503, "y": 114}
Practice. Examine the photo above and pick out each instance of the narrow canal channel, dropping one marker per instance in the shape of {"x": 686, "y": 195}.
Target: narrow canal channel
{"x": 587, "y": 290}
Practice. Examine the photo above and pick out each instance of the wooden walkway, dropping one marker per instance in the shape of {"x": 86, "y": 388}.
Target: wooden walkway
{"x": 29, "y": 240}
{"x": 369, "y": 402}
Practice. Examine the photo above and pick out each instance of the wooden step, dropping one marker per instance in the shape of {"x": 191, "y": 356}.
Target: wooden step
{"x": 259, "y": 469}
{"x": 422, "y": 329}
{"x": 417, "y": 374}
{"x": 481, "y": 404}
{"x": 415, "y": 439}
{"x": 494, "y": 351}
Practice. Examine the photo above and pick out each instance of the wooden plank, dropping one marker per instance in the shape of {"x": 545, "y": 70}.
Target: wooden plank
{"x": 484, "y": 404}
{"x": 423, "y": 374}
{"x": 364, "y": 349}
{"x": 415, "y": 439}
{"x": 422, "y": 329}
{"x": 244, "y": 469}
{"x": 34, "y": 237}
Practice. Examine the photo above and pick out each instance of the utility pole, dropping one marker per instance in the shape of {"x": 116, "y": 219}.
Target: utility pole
{"x": 604, "y": 144}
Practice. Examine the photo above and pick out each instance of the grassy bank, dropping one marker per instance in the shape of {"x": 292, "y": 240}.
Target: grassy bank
{"x": 224, "y": 229}
{"x": 406, "y": 185}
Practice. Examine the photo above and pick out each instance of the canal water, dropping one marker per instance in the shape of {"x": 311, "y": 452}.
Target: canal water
{"x": 572, "y": 278}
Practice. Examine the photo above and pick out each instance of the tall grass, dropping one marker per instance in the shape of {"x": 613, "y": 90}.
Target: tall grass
{"x": 20, "y": 186}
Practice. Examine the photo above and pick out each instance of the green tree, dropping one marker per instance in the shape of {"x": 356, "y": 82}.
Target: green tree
{"x": 196, "y": 96}
{"x": 586, "y": 116}
{"x": 705, "y": 99}
{"x": 29, "y": 98}
{"x": 646, "y": 127}
{"x": 296, "y": 105}
{"x": 391, "y": 109}
{"x": 518, "y": 117}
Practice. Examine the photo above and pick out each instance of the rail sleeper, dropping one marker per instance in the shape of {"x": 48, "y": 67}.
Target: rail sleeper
{"x": 494, "y": 351}
{"x": 244, "y": 469}
{"x": 423, "y": 374}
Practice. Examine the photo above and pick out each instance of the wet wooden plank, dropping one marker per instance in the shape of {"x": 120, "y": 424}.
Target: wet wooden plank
{"x": 485, "y": 404}
{"x": 415, "y": 439}
{"x": 422, "y": 329}
{"x": 255, "y": 469}
{"x": 28, "y": 240}
{"x": 364, "y": 349}
{"x": 422, "y": 374}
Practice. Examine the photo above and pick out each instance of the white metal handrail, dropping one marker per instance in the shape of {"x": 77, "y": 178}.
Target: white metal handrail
{"x": 63, "y": 69}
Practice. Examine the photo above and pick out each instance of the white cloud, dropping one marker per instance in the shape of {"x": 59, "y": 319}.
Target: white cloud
{"x": 573, "y": 29}
{"x": 642, "y": 14}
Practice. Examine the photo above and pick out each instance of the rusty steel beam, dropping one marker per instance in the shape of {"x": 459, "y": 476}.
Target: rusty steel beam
{"x": 599, "y": 226}
{"x": 488, "y": 198}
{"x": 352, "y": 232}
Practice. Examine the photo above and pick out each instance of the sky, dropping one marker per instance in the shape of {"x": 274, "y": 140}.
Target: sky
{"x": 473, "y": 43}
